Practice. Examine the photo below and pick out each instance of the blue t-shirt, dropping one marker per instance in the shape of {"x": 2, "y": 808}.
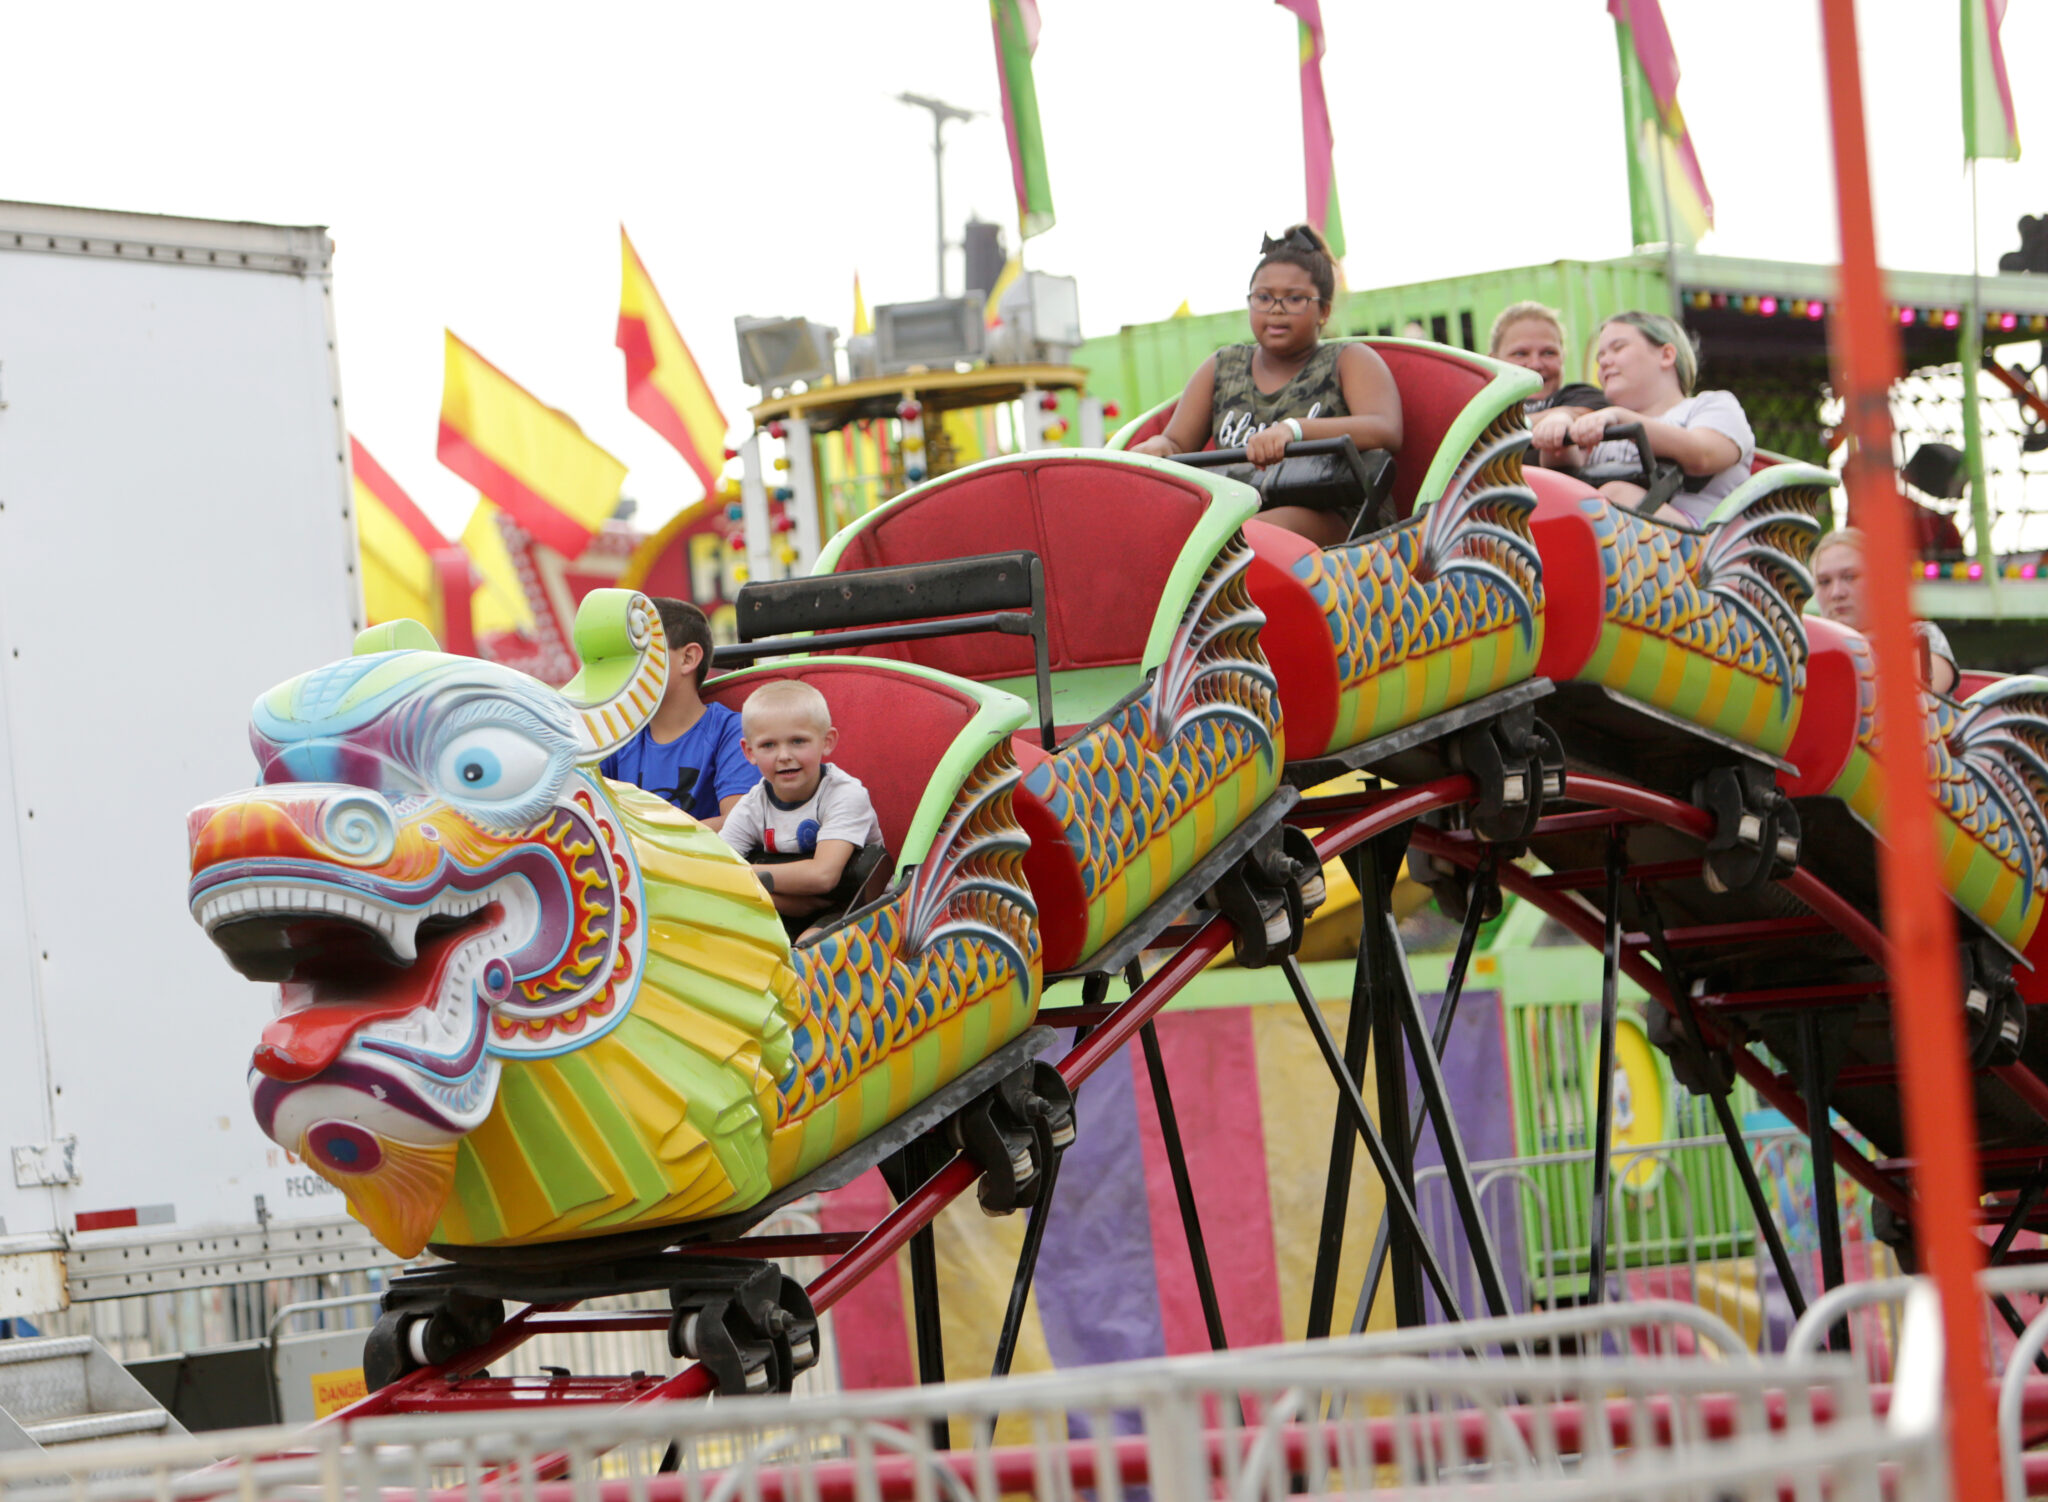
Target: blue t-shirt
{"x": 695, "y": 771}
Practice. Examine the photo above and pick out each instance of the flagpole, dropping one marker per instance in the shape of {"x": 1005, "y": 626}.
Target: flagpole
{"x": 1670, "y": 233}
{"x": 1970, "y": 356}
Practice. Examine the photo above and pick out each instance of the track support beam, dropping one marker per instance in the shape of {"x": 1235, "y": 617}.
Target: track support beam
{"x": 1603, "y": 1109}
{"x": 1816, "y": 1075}
{"x": 903, "y": 1173}
{"x": 1483, "y": 898}
{"x": 1183, "y": 1187}
{"x": 1400, "y": 1198}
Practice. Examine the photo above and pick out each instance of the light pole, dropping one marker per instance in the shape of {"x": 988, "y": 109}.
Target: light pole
{"x": 941, "y": 113}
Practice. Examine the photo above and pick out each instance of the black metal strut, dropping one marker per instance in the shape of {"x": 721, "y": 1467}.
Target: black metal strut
{"x": 1400, "y": 1196}
{"x": 1366, "y": 865}
{"x": 1183, "y": 1188}
{"x": 1603, "y": 1110}
{"x": 1724, "y": 1112}
{"x": 1816, "y": 1075}
{"x": 1484, "y": 890}
{"x": 904, "y": 1172}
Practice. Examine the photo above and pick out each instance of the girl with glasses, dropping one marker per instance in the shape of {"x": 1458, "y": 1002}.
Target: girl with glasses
{"x": 1287, "y": 384}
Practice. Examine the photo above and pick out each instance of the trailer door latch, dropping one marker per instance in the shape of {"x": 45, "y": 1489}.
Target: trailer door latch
{"x": 47, "y": 1164}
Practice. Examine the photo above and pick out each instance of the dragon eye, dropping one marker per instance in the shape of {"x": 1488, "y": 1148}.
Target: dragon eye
{"x": 490, "y": 764}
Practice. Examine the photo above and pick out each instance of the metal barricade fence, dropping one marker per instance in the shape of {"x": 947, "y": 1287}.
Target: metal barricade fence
{"x": 1680, "y": 1231}
{"x": 1396, "y": 1414}
{"x": 280, "y": 1311}
{"x": 1869, "y": 1314}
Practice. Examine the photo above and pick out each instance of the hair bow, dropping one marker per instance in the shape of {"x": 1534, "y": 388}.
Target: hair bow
{"x": 1297, "y": 238}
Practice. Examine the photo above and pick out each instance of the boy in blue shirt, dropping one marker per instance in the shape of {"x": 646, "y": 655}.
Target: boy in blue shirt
{"x": 690, "y": 752}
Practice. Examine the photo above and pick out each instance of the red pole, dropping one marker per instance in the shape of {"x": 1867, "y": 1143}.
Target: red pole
{"x": 1926, "y": 990}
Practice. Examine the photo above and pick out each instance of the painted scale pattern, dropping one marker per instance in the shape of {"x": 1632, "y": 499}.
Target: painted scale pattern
{"x": 741, "y": 1064}
{"x": 1148, "y": 790}
{"x": 1989, "y": 760}
{"x": 1441, "y": 609}
{"x": 897, "y": 1002}
{"x": 1726, "y": 601}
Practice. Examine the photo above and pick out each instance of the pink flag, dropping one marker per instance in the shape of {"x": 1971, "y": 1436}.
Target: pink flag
{"x": 1317, "y": 145}
{"x": 1647, "y": 42}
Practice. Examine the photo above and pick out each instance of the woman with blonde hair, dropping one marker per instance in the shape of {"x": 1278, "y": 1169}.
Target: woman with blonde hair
{"x": 1648, "y": 366}
{"x": 1838, "y": 594}
{"x": 1532, "y": 336}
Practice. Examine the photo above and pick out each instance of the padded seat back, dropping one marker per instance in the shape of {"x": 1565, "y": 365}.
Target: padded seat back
{"x": 1437, "y": 384}
{"x": 1107, "y": 533}
{"x": 894, "y": 728}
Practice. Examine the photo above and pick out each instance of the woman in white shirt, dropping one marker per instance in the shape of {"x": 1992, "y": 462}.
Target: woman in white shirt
{"x": 1647, "y": 366}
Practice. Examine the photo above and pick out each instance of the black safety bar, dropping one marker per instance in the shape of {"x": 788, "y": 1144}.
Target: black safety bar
{"x": 1660, "y": 483}
{"x": 1002, "y": 592}
{"x": 1372, "y": 469}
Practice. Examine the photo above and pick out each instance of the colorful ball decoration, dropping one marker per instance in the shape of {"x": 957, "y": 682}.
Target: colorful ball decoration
{"x": 1055, "y": 431}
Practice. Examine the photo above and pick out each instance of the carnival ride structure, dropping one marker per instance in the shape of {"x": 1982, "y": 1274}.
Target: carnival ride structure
{"x": 550, "y": 1027}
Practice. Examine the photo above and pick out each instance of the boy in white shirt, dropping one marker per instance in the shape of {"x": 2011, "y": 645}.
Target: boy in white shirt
{"x": 800, "y": 825}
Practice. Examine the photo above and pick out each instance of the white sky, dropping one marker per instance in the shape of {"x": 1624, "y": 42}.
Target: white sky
{"x": 474, "y": 161}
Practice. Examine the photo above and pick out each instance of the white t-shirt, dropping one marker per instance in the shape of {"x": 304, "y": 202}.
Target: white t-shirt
{"x": 1718, "y": 410}
{"x": 838, "y": 809}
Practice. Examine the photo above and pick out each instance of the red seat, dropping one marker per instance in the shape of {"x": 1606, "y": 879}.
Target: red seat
{"x": 894, "y": 729}
{"x": 1436, "y": 385}
{"x": 1108, "y": 535}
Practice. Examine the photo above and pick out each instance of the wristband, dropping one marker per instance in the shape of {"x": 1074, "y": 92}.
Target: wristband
{"x": 1293, "y": 425}
{"x": 767, "y": 879}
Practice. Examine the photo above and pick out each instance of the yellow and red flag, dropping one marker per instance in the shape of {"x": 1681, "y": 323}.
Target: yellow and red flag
{"x": 410, "y": 571}
{"x": 500, "y": 606}
{"x": 526, "y": 456}
{"x": 664, "y": 387}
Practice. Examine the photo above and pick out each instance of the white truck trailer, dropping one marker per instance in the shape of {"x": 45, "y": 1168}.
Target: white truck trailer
{"x": 175, "y": 537}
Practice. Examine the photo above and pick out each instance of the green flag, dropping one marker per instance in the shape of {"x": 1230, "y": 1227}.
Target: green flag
{"x": 1989, "y": 129}
{"x": 1016, "y": 25}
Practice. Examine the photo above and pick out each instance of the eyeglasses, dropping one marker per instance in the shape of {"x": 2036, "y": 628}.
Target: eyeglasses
{"x": 1293, "y": 302}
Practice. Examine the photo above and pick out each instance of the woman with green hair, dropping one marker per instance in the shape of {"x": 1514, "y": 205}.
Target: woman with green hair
{"x": 1647, "y": 365}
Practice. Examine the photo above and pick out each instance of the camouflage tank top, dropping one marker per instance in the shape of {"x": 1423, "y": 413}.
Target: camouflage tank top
{"x": 1239, "y": 409}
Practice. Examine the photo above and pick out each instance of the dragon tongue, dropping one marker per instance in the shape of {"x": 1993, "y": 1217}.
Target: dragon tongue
{"x": 300, "y": 1044}
{"x": 305, "y": 1040}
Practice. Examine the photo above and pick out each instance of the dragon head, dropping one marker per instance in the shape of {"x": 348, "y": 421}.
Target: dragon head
{"x": 430, "y": 870}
